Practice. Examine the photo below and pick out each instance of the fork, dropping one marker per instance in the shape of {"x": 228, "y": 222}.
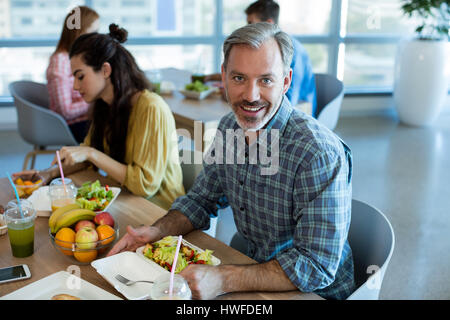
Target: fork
{"x": 129, "y": 282}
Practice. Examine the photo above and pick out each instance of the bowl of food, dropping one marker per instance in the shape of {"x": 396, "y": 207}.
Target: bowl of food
{"x": 82, "y": 235}
{"x": 197, "y": 90}
{"x": 26, "y": 184}
{"x": 3, "y": 227}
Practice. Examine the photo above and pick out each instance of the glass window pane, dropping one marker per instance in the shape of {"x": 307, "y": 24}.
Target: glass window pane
{"x": 369, "y": 65}
{"x": 318, "y": 53}
{"x": 195, "y": 58}
{"x": 296, "y": 16}
{"x": 33, "y": 18}
{"x": 233, "y": 14}
{"x": 382, "y": 16}
{"x": 159, "y": 18}
{"x": 23, "y": 64}
{"x": 305, "y": 16}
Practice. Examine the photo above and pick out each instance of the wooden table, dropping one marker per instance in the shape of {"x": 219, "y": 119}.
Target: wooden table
{"x": 126, "y": 210}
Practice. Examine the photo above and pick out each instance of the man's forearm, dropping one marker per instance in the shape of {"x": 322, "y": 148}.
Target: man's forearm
{"x": 268, "y": 276}
{"x": 173, "y": 223}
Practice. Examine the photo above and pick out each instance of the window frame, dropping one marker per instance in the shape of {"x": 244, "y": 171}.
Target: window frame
{"x": 335, "y": 41}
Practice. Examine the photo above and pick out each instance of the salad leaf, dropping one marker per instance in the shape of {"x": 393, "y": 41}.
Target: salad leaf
{"x": 93, "y": 196}
{"x": 196, "y": 86}
{"x": 163, "y": 253}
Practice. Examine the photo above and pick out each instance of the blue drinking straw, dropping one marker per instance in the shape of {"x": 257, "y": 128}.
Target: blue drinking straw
{"x": 17, "y": 195}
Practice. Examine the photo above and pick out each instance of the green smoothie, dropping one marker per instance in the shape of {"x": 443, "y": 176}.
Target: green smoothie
{"x": 22, "y": 240}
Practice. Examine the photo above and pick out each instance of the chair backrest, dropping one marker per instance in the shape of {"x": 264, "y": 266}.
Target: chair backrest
{"x": 37, "y": 124}
{"x": 329, "y": 95}
{"x": 189, "y": 168}
{"x": 372, "y": 240}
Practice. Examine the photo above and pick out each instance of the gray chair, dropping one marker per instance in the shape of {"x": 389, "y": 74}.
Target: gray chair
{"x": 190, "y": 171}
{"x": 329, "y": 95}
{"x": 189, "y": 168}
{"x": 372, "y": 240}
{"x": 37, "y": 124}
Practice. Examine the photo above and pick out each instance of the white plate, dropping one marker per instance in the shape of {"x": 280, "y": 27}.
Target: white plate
{"x": 42, "y": 204}
{"x": 131, "y": 266}
{"x": 60, "y": 283}
{"x": 139, "y": 251}
{"x": 197, "y": 95}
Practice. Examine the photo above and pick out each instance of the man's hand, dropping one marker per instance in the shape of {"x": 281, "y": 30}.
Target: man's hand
{"x": 204, "y": 281}
{"x": 135, "y": 238}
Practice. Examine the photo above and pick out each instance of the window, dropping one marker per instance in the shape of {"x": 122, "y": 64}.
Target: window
{"x": 353, "y": 39}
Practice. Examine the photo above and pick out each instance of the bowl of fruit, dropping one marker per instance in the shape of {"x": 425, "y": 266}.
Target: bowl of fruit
{"x": 82, "y": 235}
{"x": 197, "y": 90}
{"x": 26, "y": 184}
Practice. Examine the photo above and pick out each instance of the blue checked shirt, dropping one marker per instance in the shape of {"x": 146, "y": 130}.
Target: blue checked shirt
{"x": 296, "y": 211}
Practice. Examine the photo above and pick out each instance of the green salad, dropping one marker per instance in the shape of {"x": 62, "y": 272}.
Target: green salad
{"x": 163, "y": 253}
{"x": 196, "y": 86}
{"x": 93, "y": 196}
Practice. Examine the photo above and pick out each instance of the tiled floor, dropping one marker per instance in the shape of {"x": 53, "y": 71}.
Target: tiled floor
{"x": 403, "y": 171}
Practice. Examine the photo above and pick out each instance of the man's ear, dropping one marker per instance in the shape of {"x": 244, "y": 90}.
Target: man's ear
{"x": 223, "y": 74}
{"x": 270, "y": 20}
{"x": 287, "y": 81}
{"x": 106, "y": 70}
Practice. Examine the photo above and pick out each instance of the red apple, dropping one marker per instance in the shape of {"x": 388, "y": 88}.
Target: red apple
{"x": 84, "y": 223}
{"x": 104, "y": 218}
{"x": 86, "y": 238}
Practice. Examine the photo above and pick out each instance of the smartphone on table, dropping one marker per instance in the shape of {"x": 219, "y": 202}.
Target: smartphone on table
{"x": 14, "y": 273}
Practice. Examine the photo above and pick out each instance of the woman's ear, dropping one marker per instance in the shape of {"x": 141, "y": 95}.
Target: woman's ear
{"x": 106, "y": 70}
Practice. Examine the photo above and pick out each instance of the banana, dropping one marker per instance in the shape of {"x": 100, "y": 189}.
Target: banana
{"x": 60, "y": 211}
{"x": 70, "y": 217}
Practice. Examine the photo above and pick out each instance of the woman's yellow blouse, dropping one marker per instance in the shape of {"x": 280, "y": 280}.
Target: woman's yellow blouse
{"x": 153, "y": 170}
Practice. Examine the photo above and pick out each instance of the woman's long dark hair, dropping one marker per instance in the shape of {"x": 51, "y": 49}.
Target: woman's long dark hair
{"x": 111, "y": 122}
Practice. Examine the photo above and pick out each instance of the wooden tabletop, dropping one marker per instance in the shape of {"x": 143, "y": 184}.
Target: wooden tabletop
{"x": 127, "y": 209}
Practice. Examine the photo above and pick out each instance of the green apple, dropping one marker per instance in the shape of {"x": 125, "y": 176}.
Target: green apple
{"x": 86, "y": 238}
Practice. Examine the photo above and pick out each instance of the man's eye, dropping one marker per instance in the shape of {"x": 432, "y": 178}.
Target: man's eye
{"x": 266, "y": 81}
{"x": 238, "y": 78}
{"x": 80, "y": 78}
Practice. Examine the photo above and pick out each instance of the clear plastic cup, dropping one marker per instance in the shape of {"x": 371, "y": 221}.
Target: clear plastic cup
{"x": 21, "y": 228}
{"x": 60, "y": 197}
{"x": 160, "y": 288}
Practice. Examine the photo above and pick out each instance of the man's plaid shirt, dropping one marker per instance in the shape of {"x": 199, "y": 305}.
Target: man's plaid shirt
{"x": 299, "y": 215}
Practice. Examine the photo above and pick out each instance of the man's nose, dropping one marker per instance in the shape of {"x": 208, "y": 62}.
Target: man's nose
{"x": 252, "y": 92}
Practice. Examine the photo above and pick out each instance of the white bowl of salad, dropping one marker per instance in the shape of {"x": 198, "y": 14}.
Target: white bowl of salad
{"x": 95, "y": 197}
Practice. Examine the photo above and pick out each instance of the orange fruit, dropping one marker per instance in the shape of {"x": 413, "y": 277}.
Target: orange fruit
{"x": 85, "y": 256}
{"x": 65, "y": 238}
{"x": 105, "y": 232}
{"x": 28, "y": 183}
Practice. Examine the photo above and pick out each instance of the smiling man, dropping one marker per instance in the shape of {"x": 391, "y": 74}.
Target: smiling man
{"x": 295, "y": 219}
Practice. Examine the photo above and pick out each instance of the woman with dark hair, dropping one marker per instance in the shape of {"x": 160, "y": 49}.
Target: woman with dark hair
{"x": 63, "y": 99}
{"x": 132, "y": 130}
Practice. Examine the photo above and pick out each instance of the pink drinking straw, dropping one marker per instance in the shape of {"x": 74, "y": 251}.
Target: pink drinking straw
{"x": 174, "y": 266}
{"x": 61, "y": 170}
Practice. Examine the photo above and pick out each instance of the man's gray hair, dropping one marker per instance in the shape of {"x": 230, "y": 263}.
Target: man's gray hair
{"x": 254, "y": 35}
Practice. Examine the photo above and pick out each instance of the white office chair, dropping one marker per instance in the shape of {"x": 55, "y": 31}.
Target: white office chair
{"x": 372, "y": 240}
{"x": 37, "y": 124}
{"x": 329, "y": 95}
